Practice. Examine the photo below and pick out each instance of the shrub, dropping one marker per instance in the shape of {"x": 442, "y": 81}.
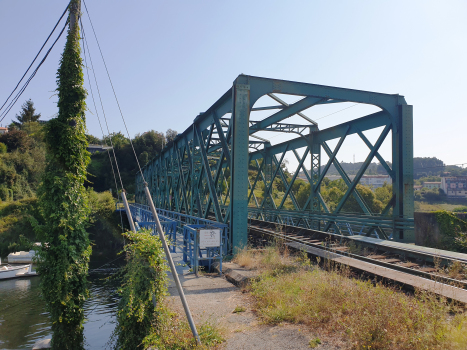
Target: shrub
{"x": 144, "y": 284}
{"x": 369, "y": 316}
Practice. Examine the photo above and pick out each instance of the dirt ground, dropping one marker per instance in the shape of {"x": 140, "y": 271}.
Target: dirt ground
{"x": 212, "y": 298}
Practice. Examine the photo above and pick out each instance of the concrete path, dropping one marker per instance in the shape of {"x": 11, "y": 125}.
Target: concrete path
{"x": 212, "y": 298}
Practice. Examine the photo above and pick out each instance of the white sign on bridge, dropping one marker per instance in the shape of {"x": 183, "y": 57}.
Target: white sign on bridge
{"x": 209, "y": 238}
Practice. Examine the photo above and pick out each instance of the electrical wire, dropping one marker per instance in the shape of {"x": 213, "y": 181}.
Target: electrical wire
{"x": 338, "y": 111}
{"x": 85, "y": 44}
{"x": 34, "y": 60}
{"x": 102, "y": 106}
{"x": 18, "y": 95}
{"x": 118, "y": 104}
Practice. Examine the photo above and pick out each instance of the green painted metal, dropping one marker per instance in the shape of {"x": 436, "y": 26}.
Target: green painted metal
{"x": 204, "y": 171}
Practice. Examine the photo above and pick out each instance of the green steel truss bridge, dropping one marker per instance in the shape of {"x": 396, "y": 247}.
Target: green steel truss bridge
{"x": 204, "y": 172}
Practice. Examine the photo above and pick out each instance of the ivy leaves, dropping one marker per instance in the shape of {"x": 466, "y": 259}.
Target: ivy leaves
{"x": 144, "y": 286}
{"x": 63, "y": 200}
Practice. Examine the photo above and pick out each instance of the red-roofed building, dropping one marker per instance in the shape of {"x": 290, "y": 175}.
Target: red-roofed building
{"x": 3, "y": 130}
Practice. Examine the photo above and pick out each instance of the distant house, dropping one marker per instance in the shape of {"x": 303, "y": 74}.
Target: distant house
{"x": 432, "y": 185}
{"x": 417, "y": 187}
{"x": 3, "y": 130}
{"x": 97, "y": 148}
{"x": 375, "y": 181}
{"x": 454, "y": 186}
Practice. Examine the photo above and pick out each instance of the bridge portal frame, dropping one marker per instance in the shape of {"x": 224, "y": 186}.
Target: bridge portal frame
{"x": 204, "y": 171}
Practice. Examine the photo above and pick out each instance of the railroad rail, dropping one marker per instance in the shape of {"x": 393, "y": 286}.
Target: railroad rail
{"x": 419, "y": 267}
{"x": 415, "y": 266}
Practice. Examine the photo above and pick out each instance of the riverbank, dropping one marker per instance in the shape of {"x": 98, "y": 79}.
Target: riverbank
{"x": 17, "y": 232}
{"x": 330, "y": 302}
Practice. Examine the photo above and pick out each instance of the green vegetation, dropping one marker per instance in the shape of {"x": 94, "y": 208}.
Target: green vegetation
{"x": 292, "y": 289}
{"x": 434, "y": 206}
{"x": 421, "y": 180}
{"x": 462, "y": 209}
{"x": 63, "y": 203}
{"x": 239, "y": 309}
{"x": 144, "y": 285}
{"x": 430, "y": 195}
{"x": 28, "y": 114}
{"x": 22, "y": 165}
{"x": 16, "y": 231}
{"x": 453, "y": 230}
{"x": 143, "y": 319}
{"x": 434, "y": 167}
{"x": 147, "y": 146}
{"x": 332, "y": 192}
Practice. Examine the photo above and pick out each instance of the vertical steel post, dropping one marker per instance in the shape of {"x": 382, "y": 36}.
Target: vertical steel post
{"x": 315, "y": 175}
{"x": 128, "y": 213}
{"x": 239, "y": 164}
{"x": 268, "y": 173}
{"x": 171, "y": 264}
{"x": 403, "y": 169}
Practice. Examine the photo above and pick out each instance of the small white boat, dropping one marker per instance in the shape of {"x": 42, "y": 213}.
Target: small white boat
{"x": 8, "y": 271}
{"x": 21, "y": 257}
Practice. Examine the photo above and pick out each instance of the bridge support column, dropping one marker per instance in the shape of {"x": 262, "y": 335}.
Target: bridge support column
{"x": 239, "y": 164}
{"x": 315, "y": 173}
{"x": 403, "y": 169}
{"x": 268, "y": 173}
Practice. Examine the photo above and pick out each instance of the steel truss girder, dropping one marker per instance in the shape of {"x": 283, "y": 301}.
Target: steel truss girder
{"x": 204, "y": 171}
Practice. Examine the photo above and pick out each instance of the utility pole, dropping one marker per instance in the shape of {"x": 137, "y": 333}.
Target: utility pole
{"x": 75, "y": 11}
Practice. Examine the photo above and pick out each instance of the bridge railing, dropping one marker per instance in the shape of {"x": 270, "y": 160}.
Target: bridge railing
{"x": 144, "y": 219}
{"x": 345, "y": 223}
{"x": 193, "y": 252}
{"x": 143, "y": 212}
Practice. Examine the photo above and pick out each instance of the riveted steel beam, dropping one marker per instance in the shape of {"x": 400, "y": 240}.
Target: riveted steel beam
{"x": 204, "y": 171}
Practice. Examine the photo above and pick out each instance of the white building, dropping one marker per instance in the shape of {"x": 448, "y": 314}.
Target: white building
{"x": 432, "y": 185}
{"x": 3, "y": 130}
{"x": 454, "y": 186}
{"x": 374, "y": 181}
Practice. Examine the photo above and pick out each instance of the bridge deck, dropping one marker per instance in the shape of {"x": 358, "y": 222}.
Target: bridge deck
{"x": 409, "y": 249}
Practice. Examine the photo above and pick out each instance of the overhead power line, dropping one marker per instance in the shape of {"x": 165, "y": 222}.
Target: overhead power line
{"x": 115, "y": 94}
{"x": 12, "y": 102}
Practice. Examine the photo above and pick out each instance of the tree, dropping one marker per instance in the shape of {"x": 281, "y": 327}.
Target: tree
{"x": 170, "y": 135}
{"x": 16, "y": 139}
{"x": 118, "y": 140}
{"x": 28, "y": 113}
{"x": 92, "y": 140}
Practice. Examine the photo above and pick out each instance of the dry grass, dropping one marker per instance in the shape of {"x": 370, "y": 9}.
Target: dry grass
{"x": 174, "y": 333}
{"x": 275, "y": 257}
{"x": 427, "y": 207}
{"x": 370, "y": 316}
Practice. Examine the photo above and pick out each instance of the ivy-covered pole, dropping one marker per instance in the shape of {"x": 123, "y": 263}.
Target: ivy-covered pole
{"x": 66, "y": 248}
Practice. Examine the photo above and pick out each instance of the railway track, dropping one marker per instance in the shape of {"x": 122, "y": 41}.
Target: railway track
{"x": 365, "y": 252}
{"x": 441, "y": 272}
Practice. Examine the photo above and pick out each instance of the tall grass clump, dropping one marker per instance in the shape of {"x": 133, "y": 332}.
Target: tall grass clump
{"x": 369, "y": 316}
{"x": 143, "y": 318}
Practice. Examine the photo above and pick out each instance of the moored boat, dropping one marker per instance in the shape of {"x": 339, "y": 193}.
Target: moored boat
{"x": 8, "y": 271}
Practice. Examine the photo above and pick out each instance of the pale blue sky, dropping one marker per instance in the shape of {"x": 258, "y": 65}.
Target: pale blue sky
{"x": 170, "y": 60}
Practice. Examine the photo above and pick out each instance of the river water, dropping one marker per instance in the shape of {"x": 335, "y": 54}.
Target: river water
{"x": 24, "y": 320}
